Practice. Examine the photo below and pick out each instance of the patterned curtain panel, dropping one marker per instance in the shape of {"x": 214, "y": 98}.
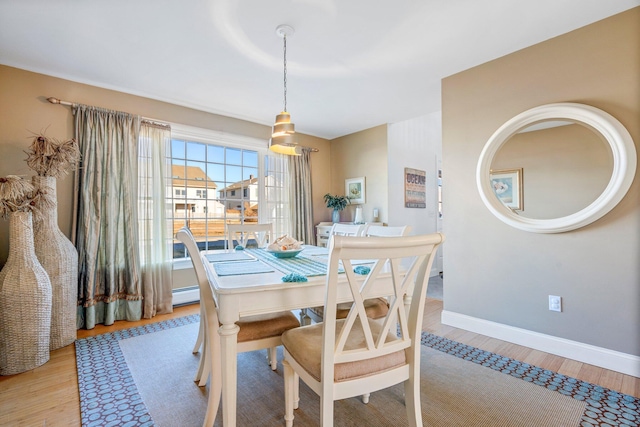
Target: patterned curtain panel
{"x": 109, "y": 279}
{"x": 155, "y": 232}
{"x": 300, "y": 197}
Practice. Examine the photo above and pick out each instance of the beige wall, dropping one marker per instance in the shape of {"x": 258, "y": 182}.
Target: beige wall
{"x": 504, "y": 275}
{"x": 24, "y": 110}
{"x": 567, "y": 168}
{"x": 360, "y": 154}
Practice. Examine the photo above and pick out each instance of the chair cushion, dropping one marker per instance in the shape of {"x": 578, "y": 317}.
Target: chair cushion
{"x": 266, "y": 325}
{"x": 304, "y": 344}
{"x": 376, "y": 308}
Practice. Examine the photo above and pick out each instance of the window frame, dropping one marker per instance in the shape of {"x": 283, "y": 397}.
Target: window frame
{"x": 227, "y": 140}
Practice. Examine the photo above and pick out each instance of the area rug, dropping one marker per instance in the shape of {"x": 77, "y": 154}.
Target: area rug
{"x": 144, "y": 376}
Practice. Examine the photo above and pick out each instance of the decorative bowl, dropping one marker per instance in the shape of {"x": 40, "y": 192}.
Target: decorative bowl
{"x": 285, "y": 254}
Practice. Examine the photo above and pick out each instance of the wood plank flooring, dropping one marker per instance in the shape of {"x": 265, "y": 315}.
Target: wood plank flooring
{"x": 48, "y": 396}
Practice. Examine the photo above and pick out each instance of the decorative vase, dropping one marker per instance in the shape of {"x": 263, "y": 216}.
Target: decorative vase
{"x": 59, "y": 258}
{"x": 25, "y": 302}
{"x": 335, "y": 216}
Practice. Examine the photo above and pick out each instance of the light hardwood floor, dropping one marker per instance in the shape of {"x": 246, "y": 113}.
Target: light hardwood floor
{"x": 48, "y": 395}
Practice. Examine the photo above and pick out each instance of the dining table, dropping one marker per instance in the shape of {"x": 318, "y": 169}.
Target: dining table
{"x": 255, "y": 281}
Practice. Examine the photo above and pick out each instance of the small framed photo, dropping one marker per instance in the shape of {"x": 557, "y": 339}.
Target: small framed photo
{"x": 507, "y": 186}
{"x": 354, "y": 190}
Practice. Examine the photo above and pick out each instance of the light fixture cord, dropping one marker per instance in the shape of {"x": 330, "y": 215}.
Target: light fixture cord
{"x": 285, "y": 72}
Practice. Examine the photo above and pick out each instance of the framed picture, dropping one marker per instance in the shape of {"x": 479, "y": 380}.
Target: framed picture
{"x": 354, "y": 190}
{"x": 415, "y": 188}
{"x": 507, "y": 186}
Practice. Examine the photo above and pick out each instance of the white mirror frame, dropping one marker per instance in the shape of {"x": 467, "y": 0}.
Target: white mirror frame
{"x": 624, "y": 166}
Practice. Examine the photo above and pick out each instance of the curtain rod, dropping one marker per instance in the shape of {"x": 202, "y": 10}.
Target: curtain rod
{"x": 57, "y": 101}
{"x": 54, "y": 100}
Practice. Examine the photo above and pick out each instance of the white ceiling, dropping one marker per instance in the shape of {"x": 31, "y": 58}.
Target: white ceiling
{"x": 352, "y": 64}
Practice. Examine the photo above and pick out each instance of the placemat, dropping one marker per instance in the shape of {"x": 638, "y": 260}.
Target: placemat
{"x": 229, "y": 256}
{"x": 241, "y": 267}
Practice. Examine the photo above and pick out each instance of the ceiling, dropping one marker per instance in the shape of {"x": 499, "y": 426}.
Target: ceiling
{"x": 351, "y": 64}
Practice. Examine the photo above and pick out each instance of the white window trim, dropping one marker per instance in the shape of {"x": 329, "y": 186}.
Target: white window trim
{"x": 209, "y": 136}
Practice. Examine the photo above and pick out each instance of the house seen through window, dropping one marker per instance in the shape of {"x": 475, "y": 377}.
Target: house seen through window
{"x": 213, "y": 184}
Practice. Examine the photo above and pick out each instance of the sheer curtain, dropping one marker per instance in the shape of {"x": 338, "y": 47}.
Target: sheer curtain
{"x": 276, "y": 202}
{"x": 155, "y": 231}
{"x": 109, "y": 277}
{"x": 300, "y": 197}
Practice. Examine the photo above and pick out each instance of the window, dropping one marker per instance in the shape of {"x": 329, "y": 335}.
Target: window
{"x": 219, "y": 176}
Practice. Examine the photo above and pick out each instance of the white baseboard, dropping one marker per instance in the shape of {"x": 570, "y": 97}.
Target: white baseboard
{"x": 609, "y": 359}
{"x": 186, "y": 296}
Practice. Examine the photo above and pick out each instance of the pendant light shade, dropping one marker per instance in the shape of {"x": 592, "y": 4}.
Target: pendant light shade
{"x": 283, "y": 125}
{"x": 282, "y": 139}
{"x": 285, "y": 144}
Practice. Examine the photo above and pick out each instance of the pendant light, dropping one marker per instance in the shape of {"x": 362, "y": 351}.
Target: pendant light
{"x": 282, "y": 139}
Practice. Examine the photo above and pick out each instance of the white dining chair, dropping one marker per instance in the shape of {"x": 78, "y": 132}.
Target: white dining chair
{"x": 342, "y": 358}
{"x": 256, "y": 332}
{"x": 345, "y": 230}
{"x": 242, "y": 233}
{"x": 389, "y": 231}
{"x": 376, "y": 307}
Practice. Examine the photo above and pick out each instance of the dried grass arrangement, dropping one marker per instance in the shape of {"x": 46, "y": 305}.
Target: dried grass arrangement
{"x": 18, "y": 195}
{"x": 52, "y": 157}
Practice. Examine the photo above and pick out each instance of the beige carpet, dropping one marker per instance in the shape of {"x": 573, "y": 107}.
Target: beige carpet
{"x": 455, "y": 392}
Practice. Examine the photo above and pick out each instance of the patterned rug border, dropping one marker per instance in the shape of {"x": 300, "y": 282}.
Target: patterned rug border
{"x": 112, "y": 399}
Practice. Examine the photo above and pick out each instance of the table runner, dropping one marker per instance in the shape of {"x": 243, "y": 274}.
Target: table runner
{"x": 306, "y": 266}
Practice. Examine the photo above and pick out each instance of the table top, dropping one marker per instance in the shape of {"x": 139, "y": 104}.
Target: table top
{"x": 250, "y": 270}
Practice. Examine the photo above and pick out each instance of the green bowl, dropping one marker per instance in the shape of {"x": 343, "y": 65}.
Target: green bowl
{"x": 285, "y": 254}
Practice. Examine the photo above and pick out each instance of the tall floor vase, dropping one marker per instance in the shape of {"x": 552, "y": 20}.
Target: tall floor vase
{"x": 25, "y": 302}
{"x": 59, "y": 258}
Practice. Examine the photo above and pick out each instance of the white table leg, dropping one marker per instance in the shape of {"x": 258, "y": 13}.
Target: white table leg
{"x": 229, "y": 360}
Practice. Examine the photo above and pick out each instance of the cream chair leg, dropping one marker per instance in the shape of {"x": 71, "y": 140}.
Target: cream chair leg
{"x": 201, "y": 363}
{"x": 204, "y": 368}
{"x": 201, "y": 332}
{"x": 215, "y": 388}
{"x": 290, "y": 393}
{"x": 326, "y": 410}
{"x": 296, "y": 390}
{"x": 273, "y": 358}
{"x": 198, "y": 344}
{"x": 412, "y": 402}
{"x": 365, "y": 398}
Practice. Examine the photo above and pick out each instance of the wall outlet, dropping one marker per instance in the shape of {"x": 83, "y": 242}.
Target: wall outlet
{"x": 555, "y": 303}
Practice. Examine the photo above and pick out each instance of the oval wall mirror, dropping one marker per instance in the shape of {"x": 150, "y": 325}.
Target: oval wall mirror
{"x": 556, "y": 167}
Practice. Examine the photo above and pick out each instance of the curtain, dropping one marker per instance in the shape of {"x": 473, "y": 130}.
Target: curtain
{"x": 300, "y": 197}
{"x": 155, "y": 232}
{"x": 109, "y": 276}
{"x": 275, "y": 206}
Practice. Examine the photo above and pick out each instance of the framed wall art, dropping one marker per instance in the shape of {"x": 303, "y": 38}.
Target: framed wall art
{"x": 355, "y": 190}
{"x": 415, "y": 188}
{"x": 507, "y": 186}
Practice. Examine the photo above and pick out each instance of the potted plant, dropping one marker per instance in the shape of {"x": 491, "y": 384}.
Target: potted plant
{"x": 337, "y": 203}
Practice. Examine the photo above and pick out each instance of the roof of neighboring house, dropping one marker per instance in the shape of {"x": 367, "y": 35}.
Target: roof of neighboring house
{"x": 241, "y": 184}
{"x": 195, "y": 177}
